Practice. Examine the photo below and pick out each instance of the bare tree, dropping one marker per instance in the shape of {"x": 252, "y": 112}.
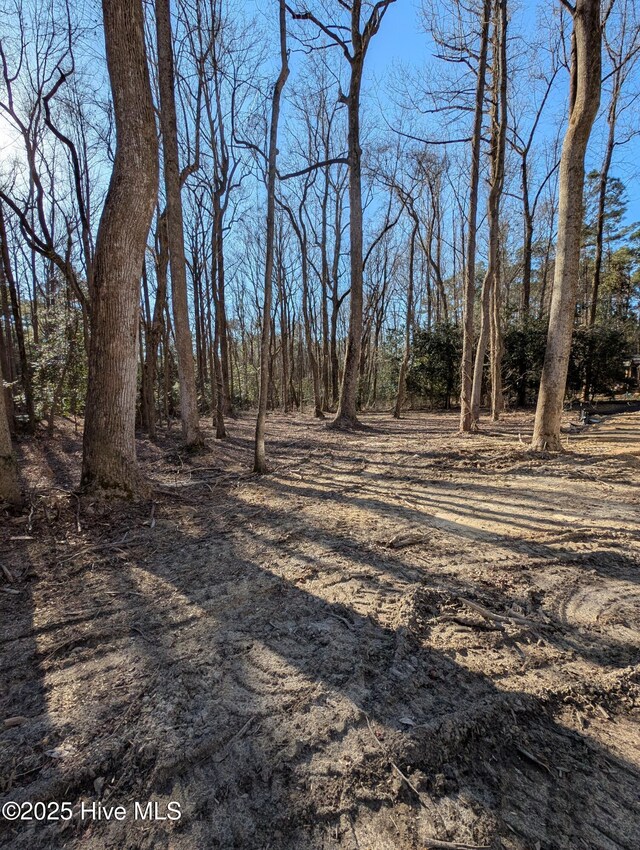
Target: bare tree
{"x": 9, "y": 485}
{"x": 109, "y": 456}
{"x": 498, "y": 136}
{"x": 175, "y": 230}
{"x": 260, "y": 460}
{"x": 586, "y": 64}
{"x": 355, "y": 51}
{"x": 466, "y": 413}
{"x": 623, "y": 50}
{"x": 404, "y": 365}
{"x": 6, "y": 274}
{"x": 522, "y": 142}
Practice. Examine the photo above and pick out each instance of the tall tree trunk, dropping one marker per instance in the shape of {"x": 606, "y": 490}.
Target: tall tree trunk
{"x": 360, "y": 40}
{"x": 191, "y": 433}
{"x": 466, "y": 416}
{"x": 335, "y": 301}
{"x": 225, "y": 364}
{"x": 219, "y": 400}
{"x": 602, "y": 197}
{"x": 324, "y": 302}
{"x": 404, "y": 366}
{"x": 301, "y": 232}
{"x": 498, "y": 137}
{"x": 285, "y": 362}
{"x": 9, "y": 486}
{"x": 25, "y": 366}
{"x": 154, "y": 334}
{"x": 586, "y": 63}
{"x": 346, "y": 413}
{"x": 109, "y": 453}
{"x": 6, "y": 368}
{"x": 527, "y": 249}
{"x": 497, "y": 349}
{"x": 313, "y": 363}
{"x": 260, "y": 460}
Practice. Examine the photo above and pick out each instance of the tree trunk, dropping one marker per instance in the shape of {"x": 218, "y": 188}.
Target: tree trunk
{"x": 466, "y": 416}
{"x": 404, "y": 366}
{"x": 109, "y": 455}
{"x": 154, "y": 334}
{"x": 313, "y": 363}
{"x": 602, "y": 197}
{"x": 219, "y": 393}
{"x": 498, "y": 136}
{"x": 25, "y": 366}
{"x": 335, "y": 301}
{"x": 527, "y": 251}
{"x": 324, "y": 302}
{"x": 9, "y": 485}
{"x": 585, "y": 98}
{"x": 497, "y": 399}
{"x": 260, "y": 460}
{"x": 346, "y": 413}
{"x": 175, "y": 228}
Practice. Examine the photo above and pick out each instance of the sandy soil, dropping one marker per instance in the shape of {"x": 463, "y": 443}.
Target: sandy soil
{"x": 400, "y": 637}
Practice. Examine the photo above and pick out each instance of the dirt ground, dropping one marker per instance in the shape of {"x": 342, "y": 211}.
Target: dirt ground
{"x": 398, "y": 638}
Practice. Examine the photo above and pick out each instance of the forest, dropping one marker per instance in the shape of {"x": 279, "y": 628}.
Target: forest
{"x": 320, "y": 424}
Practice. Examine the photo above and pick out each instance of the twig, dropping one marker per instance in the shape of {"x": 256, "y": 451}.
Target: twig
{"x": 402, "y": 776}
{"x": 343, "y": 620}
{"x": 65, "y": 643}
{"x": 497, "y": 618}
{"x": 233, "y": 738}
{"x": 431, "y": 842}
{"x": 530, "y": 757}
{"x": 97, "y": 547}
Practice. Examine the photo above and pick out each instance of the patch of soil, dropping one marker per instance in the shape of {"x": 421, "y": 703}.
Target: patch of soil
{"x": 399, "y": 635}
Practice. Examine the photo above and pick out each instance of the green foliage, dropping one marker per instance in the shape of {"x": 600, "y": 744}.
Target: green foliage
{"x": 524, "y": 347}
{"x": 434, "y": 375}
{"x": 597, "y": 356}
{"x": 615, "y": 208}
{"x": 58, "y": 361}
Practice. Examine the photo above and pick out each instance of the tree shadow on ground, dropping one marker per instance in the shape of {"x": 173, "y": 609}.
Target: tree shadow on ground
{"x": 220, "y": 664}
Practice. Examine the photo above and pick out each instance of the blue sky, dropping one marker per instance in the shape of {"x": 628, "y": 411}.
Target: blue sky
{"x": 402, "y": 41}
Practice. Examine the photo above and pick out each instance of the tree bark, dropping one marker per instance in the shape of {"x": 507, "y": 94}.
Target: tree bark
{"x": 346, "y": 414}
{"x": 25, "y": 366}
{"x": 260, "y": 460}
{"x": 404, "y": 366}
{"x": 335, "y": 299}
{"x": 109, "y": 456}
{"x": 497, "y": 349}
{"x": 360, "y": 39}
{"x": 527, "y": 249}
{"x": 154, "y": 332}
{"x": 466, "y": 416}
{"x": 585, "y": 98}
{"x": 191, "y": 433}
{"x": 498, "y": 139}
{"x": 9, "y": 485}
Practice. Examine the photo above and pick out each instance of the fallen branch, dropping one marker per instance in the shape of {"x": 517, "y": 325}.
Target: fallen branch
{"x": 497, "y": 618}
